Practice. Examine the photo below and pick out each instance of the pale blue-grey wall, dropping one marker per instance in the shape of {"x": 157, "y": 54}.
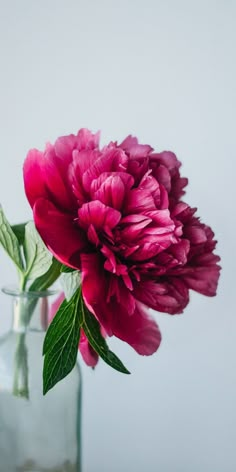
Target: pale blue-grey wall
{"x": 164, "y": 71}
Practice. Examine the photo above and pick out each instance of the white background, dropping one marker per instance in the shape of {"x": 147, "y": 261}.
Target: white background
{"x": 164, "y": 71}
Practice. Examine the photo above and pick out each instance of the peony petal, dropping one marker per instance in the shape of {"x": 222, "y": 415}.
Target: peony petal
{"x": 95, "y": 287}
{"x": 135, "y": 150}
{"x": 202, "y": 279}
{"x": 176, "y": 255}
{"x": 59, "y": 233}
{"x": 57, "y": 180}
{"x": 167, "y": 159}
{"x": 170, "y": 296}
{"x": 110, "y": 160}
{"x": 90, "y": 356}
{"x": 138, "y": 168}
{"x": 132, "y": 225}
{"x": 195, "y": 234}
{"x": 96, "y": 184}
{"x": 64, "y": 146}
{"x": 139, "y": 330}
{"x": 138, "y": 201}
{"x": 162, "y": 175}
{"x": 87, "y": 140}
{"x": 111, "y": 192}
{"x": 99, "y": 215}
{"x": 82, "y": 161}
{"x": 46, "y": 176}
{"x": 33, "y": 177}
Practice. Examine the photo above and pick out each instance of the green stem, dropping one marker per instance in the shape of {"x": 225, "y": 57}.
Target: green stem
{"x": 23, "y": 281}
{"x": 20, "y": 378}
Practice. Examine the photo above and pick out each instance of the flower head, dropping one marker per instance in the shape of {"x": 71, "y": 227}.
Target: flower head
{"x": 116, "y": 215}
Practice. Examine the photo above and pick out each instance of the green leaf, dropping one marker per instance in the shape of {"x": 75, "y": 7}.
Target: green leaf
{"x": 37, "y": 256}
{"x": 9, "y": 242}
{"x": 66, "y": 269}
{"x": 46, "y": 280}
{"x": 19, "y": 231}
{"x": 61, "y": 343}
{"x": 91, "y": 328}
{"x": 70, "y": 283}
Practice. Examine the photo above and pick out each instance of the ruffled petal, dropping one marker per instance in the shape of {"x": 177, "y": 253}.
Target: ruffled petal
{"x": 140, "y": 331}
{"x": 59, "y": 233}
{"x": 111, "y": 192}
{"x": 170, "y": 296}
{"x": 64, "y": 146}
{"x": 87, "y": 140}
{"x": 136, "y": 328}
{"x": 95, "y": 287}
{"x": 202, "y": 279}
{"x": 110, "y": 160}
{"x": 46, "y": 176}
{"x": 99, "y": 215}
{"x": 33, "y": 176}
{"x": 135, "y": 150}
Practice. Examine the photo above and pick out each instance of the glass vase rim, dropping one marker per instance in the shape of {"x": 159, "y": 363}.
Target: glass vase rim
{"x": 17, "y": 293}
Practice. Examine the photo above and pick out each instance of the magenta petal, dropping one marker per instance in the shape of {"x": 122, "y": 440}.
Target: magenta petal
{"x": 94, "y": 289}
{"x": 65, "y": 145}
{"x": 46, "y": 176}
{"x": 126, "y": 178}
{"x": 163, "y": 177}
{"x": 139, "y": 201}
{"x": 168, "y": 159}
{"x": 195, "y": 234}
{"x": 87, "y": 140}
{"x": 110, "y": 160}
{"x": 132, "y": 225}
{"x": 202, "y": 279}
{"x": 169, "y": 296}
{"x": 55, "y": 172}
{"x": 90, "y": 356}
{"x": 82, "y": 161}
{"x": 99, "y": 215}
{"x": 59, "y": 233}
{"x": 176, "y": 255}
{"x": 136, "y": 328}
{"x": 33, "y": 179}
{"x": 111, "y": 192}
{"x": 139, "y": 330}
{"x": 135, "y": 150}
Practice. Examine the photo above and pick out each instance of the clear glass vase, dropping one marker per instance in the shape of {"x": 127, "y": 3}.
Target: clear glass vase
{"x": 37, "y": 433}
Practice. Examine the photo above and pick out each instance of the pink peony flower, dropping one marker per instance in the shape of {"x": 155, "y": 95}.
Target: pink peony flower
{"x": 116, "y": 214}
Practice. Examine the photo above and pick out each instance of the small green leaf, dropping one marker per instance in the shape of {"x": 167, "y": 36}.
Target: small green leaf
{"x": 37, "y": 256}
{"x": 46, "y": 280}
{"x": 19, "y": 231}
{"x": 70, "y": 283}
{"x": 9, "y": 242}
{"x": 91, "y": 328}
{"x": 61, "y": 343}
{"x": 66, "y": 269}
{"x": 60, "y": 322}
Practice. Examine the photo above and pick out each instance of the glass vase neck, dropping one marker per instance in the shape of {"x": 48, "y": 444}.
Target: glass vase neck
{"x": 30, "y": 310}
